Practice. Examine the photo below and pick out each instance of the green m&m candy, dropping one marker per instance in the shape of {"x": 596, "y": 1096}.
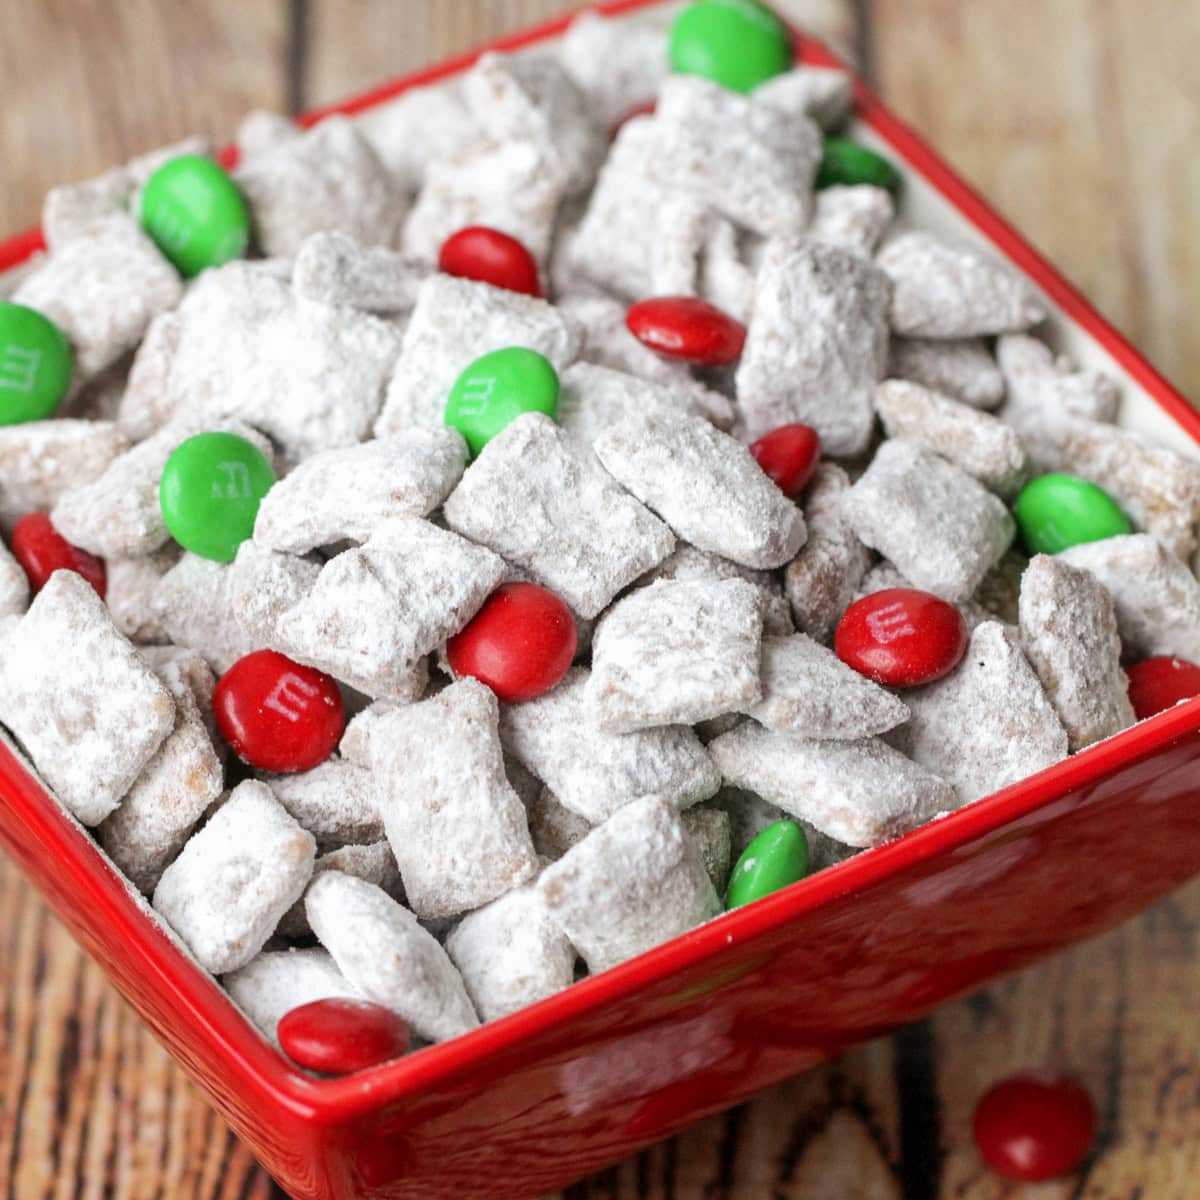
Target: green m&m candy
{"x": 35, "y": 365}
{"x": 210, "y": 491}
{"x": 195, "y": 214}
{"x": 1057, "y": 511}
{"x": 777, "y": 857}
{"x": 736, "y": 43}
{"x": 496, "y": 389}
{"x": 844, "y": 161}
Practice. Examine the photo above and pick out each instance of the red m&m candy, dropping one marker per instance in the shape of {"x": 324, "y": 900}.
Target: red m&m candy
{"x": 42, "y": 550}
{"x": 688, "y": 328}
{"x": 278, "y": 715}
{"x": 520, "y": 643}
{"x": 1156, "y": 684}
{"x": 789, "y": 455}
{"x": 901, "y": 637}
{"x": 1034, "y": 1127}
{"x": 490, "y": 256}
{"x": 337, "y": 1036}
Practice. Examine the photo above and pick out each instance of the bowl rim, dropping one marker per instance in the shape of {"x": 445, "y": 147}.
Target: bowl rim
{"x": 227, "y": 1032}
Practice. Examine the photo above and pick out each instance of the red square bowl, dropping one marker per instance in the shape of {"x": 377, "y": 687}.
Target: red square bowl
{"x": 585, "y": 1078}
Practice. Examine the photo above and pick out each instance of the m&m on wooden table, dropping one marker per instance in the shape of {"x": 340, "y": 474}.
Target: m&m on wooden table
{"x": 278, "y": 715}
{"x": 520, "y": 643}
{"x": 1035, "y": 1127}
{"x": 42, "y": 550}
{"x": 687, "y": 328}
{"x": 337, "y": 1036}
{"x": 490, "y": 256}
{"x": 901, "y": 637}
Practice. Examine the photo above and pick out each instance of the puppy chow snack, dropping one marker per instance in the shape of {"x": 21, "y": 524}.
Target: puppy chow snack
{"x": 375, "y": 611}
{"x": 817, "y": 345}
{"x": 599, "y": 625}
{"x": 592, "y": 772}
{"x": 635, "y": 881}
{"x": 962, "y": 369}
{"x": 748, "y": 160}
{"x": 549, "y": 508}
{"x": 327, "y": 180}
{"x": 86, "y": 707}
{"x": 942, "y": 289}
{"x": 511, "y": 953}
{"x": 516, "y": 187}
{"x": 345, "y": 495}
{"x": 456, "y": 826}
{"x": 234, "y": 879}
{"x": 940, "y": 527}
{"x": 705, "y": 485}
{"x": 979, "y": 444}
{"x": 675, "y": 653}
{"x": 274, "y": 982}
{"x": 1069, "y": 634}
{"x": 381, "y": 949}
{"x": 436, "y": 351}
{"x": 532, "y": 97}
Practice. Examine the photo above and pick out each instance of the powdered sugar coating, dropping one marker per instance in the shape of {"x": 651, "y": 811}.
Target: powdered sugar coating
{"x": 334, "y": 268}
{"x": 553, "y": 827}
{"x": 816, "y": 346}
{"x": 1042, "y": 386}
{"x": 85, "y": 706}
{"x": 456, "y": 826}
{"x": 593, "y": 773}
{"x": 516, "y": 187}
{"x": 347, "y": 494}
{"x": 532, "y": 97}
{"x": 361, "y": 730}
{"x": 548, "y": 507}
{"x": 809, "y": 691}
{"x": 193, "y": 604}
{"x": 821, "y": 580}
{"x": 988, "y": 723}
{"x": 234, "y": 879}
{"x": 14, "y": 585}
{"x": 102, "y": 291}
{"x": 274, "y": 982}
{"x": 260, "y": 131}
{"x": 384, "y": 952}
{"x": 746, "y": 159}
{"x": 705, "y": 485}
{"x": 1157, "y": 598}
{"x": 852, "y": 218}
{"x": 860, "y": 792}
{"x": 675, "y": 653}
{"x": 962, "y": 369}
{"x": 262, "y": 585}
{"x": 334, "y": 801}
{"x": 1069, "y": 632}
{"x": 823, "y": 94}
{"x": 438, "y": 349}
{"x": 981, "y": 445}
{"x": 40, "y": 461}
{"x": 329, "y": 179}
{"x": 944, "y": 289}
{"x": 688, "y": 562}
{"x": 146, "y": 404}
{"x": 617, "y": 64}
{"x": 118, "y": 514}
{"x": 941, "y": 528}
{"x": 511, "y": 953}
{"x": 171, "y": 794}
{"x": 310, "y": 375}
{"x": 375, "y": 611}
{"x": 373, "y": 862}
{"x": 634, "y": 882}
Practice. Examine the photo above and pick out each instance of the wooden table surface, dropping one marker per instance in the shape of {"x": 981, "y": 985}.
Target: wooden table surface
{"x": 1080, "y": 119}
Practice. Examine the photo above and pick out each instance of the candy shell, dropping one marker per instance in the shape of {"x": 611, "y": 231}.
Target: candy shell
{"x": 776, "y": 857}
{"x": 1056, "y": 511}
{"x": 687, "y": 328}
{"x": 490, "y": 256}
{"x": 35, "y": 365}
{"x": 42, "y": 550}
{"x": 337, "y": 1036}
{"x": 496, "y": 389}
{"x": 736, "y": 43}
{"x": 789, "y": 455}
